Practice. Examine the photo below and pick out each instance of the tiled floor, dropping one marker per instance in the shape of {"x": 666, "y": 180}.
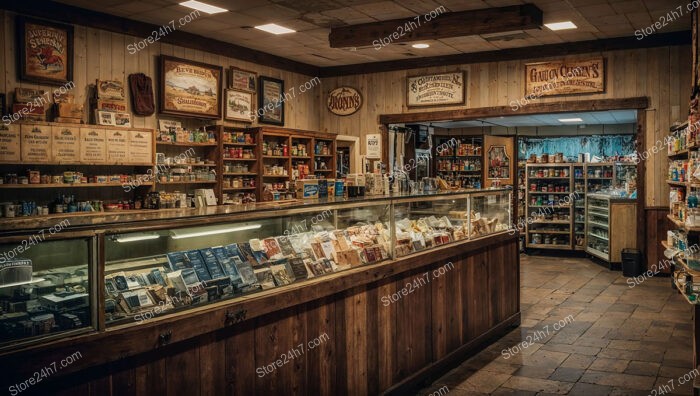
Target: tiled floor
{"x": 618, "y": 341}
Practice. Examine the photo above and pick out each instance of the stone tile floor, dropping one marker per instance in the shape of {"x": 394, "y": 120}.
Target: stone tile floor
{"x": 620, "y": 340}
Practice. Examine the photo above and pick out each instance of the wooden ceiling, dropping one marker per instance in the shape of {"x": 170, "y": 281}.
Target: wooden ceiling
{"x": 313, "y": 19}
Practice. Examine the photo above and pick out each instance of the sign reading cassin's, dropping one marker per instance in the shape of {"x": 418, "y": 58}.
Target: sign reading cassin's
{"x": 565, "y": 77}
{"x": 435, "y": 89}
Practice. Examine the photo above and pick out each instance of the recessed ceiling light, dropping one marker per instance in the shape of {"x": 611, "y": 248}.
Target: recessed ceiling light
{"x": 274, "y": 29}
{"x": 570, "y": 120}
{"x": 561, "y": 25}
{"x": 420, "y": 45}
{"x": 204, "y": 7}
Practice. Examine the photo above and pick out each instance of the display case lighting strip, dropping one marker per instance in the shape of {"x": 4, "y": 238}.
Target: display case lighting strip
{"x": 176, "y": 235}
{"x": 135, "y": 238}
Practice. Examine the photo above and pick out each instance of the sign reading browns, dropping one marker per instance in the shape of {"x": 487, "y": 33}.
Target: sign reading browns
{"x": 344, "y": 101}
{"x": 565, "y": 77}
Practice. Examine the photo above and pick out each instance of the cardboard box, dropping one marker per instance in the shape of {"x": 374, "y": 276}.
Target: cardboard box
{"x": 307, "y": 188}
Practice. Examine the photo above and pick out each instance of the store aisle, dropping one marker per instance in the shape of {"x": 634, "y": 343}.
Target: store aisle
{"x": 619, "y": 340}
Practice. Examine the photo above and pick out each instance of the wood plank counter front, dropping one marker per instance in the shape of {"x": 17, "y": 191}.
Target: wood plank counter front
{"x": 374, "y": 329}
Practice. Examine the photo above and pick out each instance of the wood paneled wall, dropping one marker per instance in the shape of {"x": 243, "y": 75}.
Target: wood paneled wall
{"x": 104, "y": 55}
{"x": 663, "y": 74}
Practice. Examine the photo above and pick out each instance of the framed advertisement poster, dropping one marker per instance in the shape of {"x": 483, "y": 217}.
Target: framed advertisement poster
{"x": 435, "y": 89}
{"x": 242, "y": 80}
{"x": 238, "y": 106}
{"x": 45, "y": 51}
{"x": 190, "y": 89}
{"x": 271, "y": 101}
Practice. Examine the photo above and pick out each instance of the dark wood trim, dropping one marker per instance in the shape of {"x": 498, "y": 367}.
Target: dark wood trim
{"x": 641, "y": 102}
{"x": 108, "y": 346}
{"x": 443, "y": 25}
{"x": 641, "y": 184}
{"x": 52, "y": 10}
{"x": 525, "y": 53}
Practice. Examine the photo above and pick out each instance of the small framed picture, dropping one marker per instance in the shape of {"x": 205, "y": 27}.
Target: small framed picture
{"x": 238, "y": 106}
{"x": 271, "y": 101}
{"x": 242, "y": 80}
{"x": 45, "y": 51}
{"x": 122, "y": 119}
{"x": 105, "y": 118}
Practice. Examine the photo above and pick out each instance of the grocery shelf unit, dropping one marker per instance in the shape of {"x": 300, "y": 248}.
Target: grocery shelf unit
{"x": 521, "y": 212}
{"x": 460, "y": 161}
{"x": 68, "y": 158}
{"x": 269, "y": 163}
{"x": 599, "y": 176}
{"x": 189, "y": 166}
{"x": 609, "y": 222}
{"x": 548, "y": 212}
{"x": 239, "y": 164}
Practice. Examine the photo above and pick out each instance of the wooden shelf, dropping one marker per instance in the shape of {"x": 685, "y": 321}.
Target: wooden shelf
{"x": 240, "y": 174}
{"x": 240, "y": 159}
{"x": 238, "y": 188}
{"x": 276, "y": 176}
{"x": 74, "y": 185}
{"x": 324, "y": 155}
{"x": 548, "y": 193}
{"x": 550, "y": 246}
{"x": 275, "y": 157}
{"x": 240, "y": 144}
{"x": 550, "y": 178}
{"x": 678, "y": 153}
{"x": 190, "y": 182}
{"x": 676, "y": 183}
{"x": 187, "y": 144}
{"x": 201, "y": 164}
{"x": 300, "y": 157}
{"x": 74, "y": 164}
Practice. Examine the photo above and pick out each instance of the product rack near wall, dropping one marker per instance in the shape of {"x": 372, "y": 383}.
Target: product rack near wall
{"x": 44, "y": 193}
{"x": 444, "y": 151}
{"x": 287, "y": 162}
{"x": 581, "y": 181}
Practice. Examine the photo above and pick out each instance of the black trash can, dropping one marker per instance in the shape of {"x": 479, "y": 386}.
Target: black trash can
{"x": 632, "y": 262}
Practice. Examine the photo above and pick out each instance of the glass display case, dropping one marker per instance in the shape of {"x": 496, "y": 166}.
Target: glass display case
{"x": 45, "y": 287}
{"x": 156, "y": 272}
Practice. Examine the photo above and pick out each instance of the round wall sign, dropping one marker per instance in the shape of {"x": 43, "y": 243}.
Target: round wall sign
{"x": 344, "y": 101}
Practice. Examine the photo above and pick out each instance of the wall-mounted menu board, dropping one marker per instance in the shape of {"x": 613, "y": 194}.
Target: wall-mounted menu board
{"x": 93, "y": 145}
{"x": 65, "y": 144}
{"x": 36, "y": 143}
{"x": 9, "y": 143}
{"x": 55, "y": 143}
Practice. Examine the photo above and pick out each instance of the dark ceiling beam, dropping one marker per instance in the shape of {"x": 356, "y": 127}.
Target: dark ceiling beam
{"x": 79, "y": 16}
{"x": 535, "y": 52}
{"x": 569, "y": 106}
{"x": 443, "y": 25}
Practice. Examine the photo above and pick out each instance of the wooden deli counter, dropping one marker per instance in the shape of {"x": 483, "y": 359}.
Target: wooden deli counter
{"x": 333, "y": 296}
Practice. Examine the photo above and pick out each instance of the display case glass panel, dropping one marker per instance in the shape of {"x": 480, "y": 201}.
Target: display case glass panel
{"x": 156, "y": 272}
{"x": 45, "y": 287}
{"x": 598, "y": 226}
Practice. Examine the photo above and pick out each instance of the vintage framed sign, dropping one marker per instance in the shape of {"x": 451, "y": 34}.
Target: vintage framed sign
{"x": 242, "y": 80}
{"x": 45, "y": 51}
{"x": 271, "y": 101}
{"x": 344, "y": 101}
{"x": 189, "y": 88}
{"x": 238, "y": 106}
{"x": 565, "y": 77}
{"x": 436, "y": 89}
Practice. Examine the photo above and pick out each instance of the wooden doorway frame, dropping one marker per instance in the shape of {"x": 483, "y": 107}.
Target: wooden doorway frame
{"x": 640, "y": 104}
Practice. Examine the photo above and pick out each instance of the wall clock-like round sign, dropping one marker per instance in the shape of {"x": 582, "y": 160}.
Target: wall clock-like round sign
{"x": 344, "y": 101}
